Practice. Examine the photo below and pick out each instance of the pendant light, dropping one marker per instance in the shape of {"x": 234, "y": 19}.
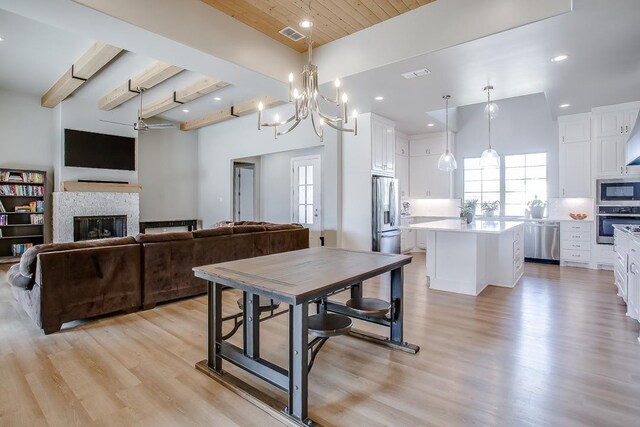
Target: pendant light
{"x": 489, "y": 157}
{"x": 447, "y": 161}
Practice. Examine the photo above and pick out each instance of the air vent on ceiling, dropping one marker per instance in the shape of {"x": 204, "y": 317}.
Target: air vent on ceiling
{"x": 292, "y": 34}
{"x": 416, "y": 73}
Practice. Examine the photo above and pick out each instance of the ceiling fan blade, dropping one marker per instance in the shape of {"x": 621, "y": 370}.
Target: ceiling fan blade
{"x": 161, "y": 126}
{"x": 116, "y": 123}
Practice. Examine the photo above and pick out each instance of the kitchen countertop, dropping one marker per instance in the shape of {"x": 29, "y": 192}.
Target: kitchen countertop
{"x": 477, "y": 226}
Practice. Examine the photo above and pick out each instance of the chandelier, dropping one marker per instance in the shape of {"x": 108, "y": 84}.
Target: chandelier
{"x": 307, "y": 103}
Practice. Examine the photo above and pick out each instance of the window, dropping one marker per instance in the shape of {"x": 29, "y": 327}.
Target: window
{"x": 305, "y": 194}
{"x": 480, "y": 184}
{"x": 525, "y": 177}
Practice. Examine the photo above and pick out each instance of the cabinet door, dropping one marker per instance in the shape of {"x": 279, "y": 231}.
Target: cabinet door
{"x": 630, "y": 118}
{"x": 438, "y": 182}
{"x": 575, "y": 169}
{"x": 418, "y": 177}
{"x": 377, "y": 146}
{"x": 389, "y": 149}
{"x": 402, "y": 173}
{"x": 402, "y": 146}
{"x": 575, "y": 130}
{"x": 410, "y": 241}
{"x": 428, "y": 146}
{"x": 421, "y": 239}
{"x": 610, "y": 156}
{"x": 610, "y": 124}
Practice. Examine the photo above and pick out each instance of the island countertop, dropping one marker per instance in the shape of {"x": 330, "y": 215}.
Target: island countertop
{"x": 477, "y": 226}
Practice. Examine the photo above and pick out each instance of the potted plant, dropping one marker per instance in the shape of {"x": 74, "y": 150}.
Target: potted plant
{"x": 468, "y": 210}
{"x": 489, "y": 208}
{"x": 536, "y": 207}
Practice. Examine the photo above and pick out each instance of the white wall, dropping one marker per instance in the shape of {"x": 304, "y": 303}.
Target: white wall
{"x": 275, "y": 194}
{"x": 219, "y": 145}
{"x": 167, "y": 171}
{"x": 524, "y": 126}
{"x": 27, "y": 137}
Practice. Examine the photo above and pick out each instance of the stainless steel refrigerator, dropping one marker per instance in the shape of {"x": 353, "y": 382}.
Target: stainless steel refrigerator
{"x": 386, "y": 215}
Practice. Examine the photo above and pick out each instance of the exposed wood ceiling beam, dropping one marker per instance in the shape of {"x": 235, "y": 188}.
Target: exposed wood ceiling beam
{"x": 94, "y": 59}
{"x": 155, "y": 74}
{"x": 182, "y": 96}
{"x": 238, "y": 110}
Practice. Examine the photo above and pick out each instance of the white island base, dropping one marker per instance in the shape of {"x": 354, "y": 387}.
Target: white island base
{"x": 467, "y": 258}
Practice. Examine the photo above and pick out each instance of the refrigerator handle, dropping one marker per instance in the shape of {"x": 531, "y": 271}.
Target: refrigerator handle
{"x": 392, "y": 202}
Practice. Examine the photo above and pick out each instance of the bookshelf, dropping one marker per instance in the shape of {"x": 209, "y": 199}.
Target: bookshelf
{"x": 22, "y": 211}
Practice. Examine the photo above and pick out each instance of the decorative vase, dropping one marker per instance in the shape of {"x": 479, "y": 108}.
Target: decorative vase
{"x": 537, "y": 212}
{"x": 469, "y": 217}
{"x": 489, "y": 213}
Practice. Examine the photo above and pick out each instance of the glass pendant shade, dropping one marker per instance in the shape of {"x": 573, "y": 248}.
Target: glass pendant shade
{"x": 489, "y": 159}
{"x": 492, "y": 110}
{"x": 447, "y": 162}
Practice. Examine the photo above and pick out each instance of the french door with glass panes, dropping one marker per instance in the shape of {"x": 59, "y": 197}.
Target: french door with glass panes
{"x": 307, "y": 195}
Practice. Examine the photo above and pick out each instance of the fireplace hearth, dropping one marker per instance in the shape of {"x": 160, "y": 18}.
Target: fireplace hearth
{"x": 99, "y": 227}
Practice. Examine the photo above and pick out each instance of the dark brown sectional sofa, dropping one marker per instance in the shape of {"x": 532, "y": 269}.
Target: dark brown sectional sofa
{"x": 58, "y": 283}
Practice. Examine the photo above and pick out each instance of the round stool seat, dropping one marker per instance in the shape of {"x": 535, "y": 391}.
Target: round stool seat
{"x": 369, "y": 306}
{"x": 327, "y": 325}
{"x": 266, "y": 304}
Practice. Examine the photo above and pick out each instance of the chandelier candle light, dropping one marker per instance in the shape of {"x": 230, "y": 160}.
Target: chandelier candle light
{"x": 490, "y": 157}
{"x": 447, "y": 161}
{"x": 306, "y": 104}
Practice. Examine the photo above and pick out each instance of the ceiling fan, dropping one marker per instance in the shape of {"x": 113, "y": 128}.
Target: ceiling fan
{"x": 140, "y": 124}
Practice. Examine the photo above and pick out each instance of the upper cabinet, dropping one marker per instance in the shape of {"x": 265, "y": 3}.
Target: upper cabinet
{"x": 402, "y": 145}
{"x": 575, "y": 155}
{"x": 383, "y": 146}
{"x": 426, "y": 181}
{"x": 402, "y": 164}
{"x": 612, "y": 126}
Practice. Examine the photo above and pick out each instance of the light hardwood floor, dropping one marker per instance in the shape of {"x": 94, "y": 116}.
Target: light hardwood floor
{"x": 557, "y": 350}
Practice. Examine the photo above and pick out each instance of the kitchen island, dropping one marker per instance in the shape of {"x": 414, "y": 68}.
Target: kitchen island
{"x": 466, "y": 258}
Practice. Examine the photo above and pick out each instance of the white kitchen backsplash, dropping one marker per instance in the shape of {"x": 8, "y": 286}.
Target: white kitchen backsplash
{"x": 560, "y": 208}
{"x": 435, "y": 207}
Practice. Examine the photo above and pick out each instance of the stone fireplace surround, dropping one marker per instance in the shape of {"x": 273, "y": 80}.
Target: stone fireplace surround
{"x": 70, "y": 204}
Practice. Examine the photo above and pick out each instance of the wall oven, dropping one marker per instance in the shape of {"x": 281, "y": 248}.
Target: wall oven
{"x": 608, "y": 216}
{"x": 618, "y": 192}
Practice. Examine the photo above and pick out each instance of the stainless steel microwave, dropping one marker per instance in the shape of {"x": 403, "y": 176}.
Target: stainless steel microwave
{"x": 619, "y": 192}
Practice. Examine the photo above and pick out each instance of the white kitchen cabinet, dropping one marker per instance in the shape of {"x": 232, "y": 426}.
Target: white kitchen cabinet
{"x": 575, "y": 169}
{"x": 383, "y": 147}
{"x": 402, "y": 145}
{"x": 611, "y": 158}
{"x": 612, "y": 126}
{"x": 408, "y": 236}
{"x": 633, "y": 281}
{"x": 426, "y": 181}
{"x": 575, "y": 242}
{"x": 402, "y": 174}
{"x": 614, "y": 123}
{"x": 429, "y": 144}
{"x": 576, "y": 128}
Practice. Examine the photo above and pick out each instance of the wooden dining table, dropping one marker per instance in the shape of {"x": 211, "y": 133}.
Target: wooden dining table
{"x": 297, "y": 279}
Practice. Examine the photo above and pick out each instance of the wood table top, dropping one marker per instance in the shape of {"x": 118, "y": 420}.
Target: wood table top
{"x": 304, "y": 275}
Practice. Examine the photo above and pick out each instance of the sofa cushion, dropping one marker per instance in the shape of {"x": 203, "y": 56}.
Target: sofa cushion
{"x": 211, "y": 232}
{"x": 164, "y": 237}
{"x": 28, "y": 259}
{"x": 16, "y": 279}
{"x": 240, "y": 229}
{"x": 279, "y": 227}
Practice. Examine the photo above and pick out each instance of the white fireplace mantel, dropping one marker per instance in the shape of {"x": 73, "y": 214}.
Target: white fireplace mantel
{"x": 70, "y": 204}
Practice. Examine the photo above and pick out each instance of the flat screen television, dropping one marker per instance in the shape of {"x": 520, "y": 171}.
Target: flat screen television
{"x": 99, "y": 151}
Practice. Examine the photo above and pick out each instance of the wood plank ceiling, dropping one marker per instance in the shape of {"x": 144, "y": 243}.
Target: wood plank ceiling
{"x": 332, "y": 19}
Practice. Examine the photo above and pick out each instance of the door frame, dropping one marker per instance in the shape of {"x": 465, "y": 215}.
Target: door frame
{"x": 236, "y": 167}
{"x": 317, "y": 157}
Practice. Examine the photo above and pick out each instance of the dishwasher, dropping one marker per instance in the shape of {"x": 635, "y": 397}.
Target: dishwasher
{"x": 542, "y": 242}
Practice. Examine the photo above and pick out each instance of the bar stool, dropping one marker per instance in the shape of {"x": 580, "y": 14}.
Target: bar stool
{"x": 265, "y": 304}
{"x": 373, "y": 307}
{"x": 323, "y": 326}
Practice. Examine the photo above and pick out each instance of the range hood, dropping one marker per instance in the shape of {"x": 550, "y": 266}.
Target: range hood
{"x": 633, "y": 145}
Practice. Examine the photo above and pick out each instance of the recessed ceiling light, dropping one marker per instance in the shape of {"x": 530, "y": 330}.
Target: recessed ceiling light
{"x": 565, "y": 105}
{"x": 559, "y": 58}
{"x": 379, "y": 98}
{"x": 185, "y": 111}
{"x": 306, "y": 24}
{"x": 217, "y": 98}
{"x": 431, "y": 125}
{"x": 1, "y": 39}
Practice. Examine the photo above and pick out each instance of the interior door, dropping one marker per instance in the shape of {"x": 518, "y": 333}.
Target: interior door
{"x": 307, "y": 195}
{"x": 244, "y": 192}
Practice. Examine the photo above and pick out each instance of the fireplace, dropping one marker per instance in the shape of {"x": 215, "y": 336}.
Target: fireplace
{"x": 99, "y": 227}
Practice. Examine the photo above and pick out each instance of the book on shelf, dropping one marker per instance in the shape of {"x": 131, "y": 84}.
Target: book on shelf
{"x": 0, "y": 233}
{"x": 4, "y": 219}
{"x": 19, "y": 248}
{"x": 37, "y": 206}
{"x": 21, "y": 190}
{"x": 2, "y": 208}
{"x": 37, "y": 219}
{"x": 18, "y": 176}
{"x": 25, "y": 208}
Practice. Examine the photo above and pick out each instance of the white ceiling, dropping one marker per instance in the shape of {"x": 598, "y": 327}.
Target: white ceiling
{"x": 601, "y": 37}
